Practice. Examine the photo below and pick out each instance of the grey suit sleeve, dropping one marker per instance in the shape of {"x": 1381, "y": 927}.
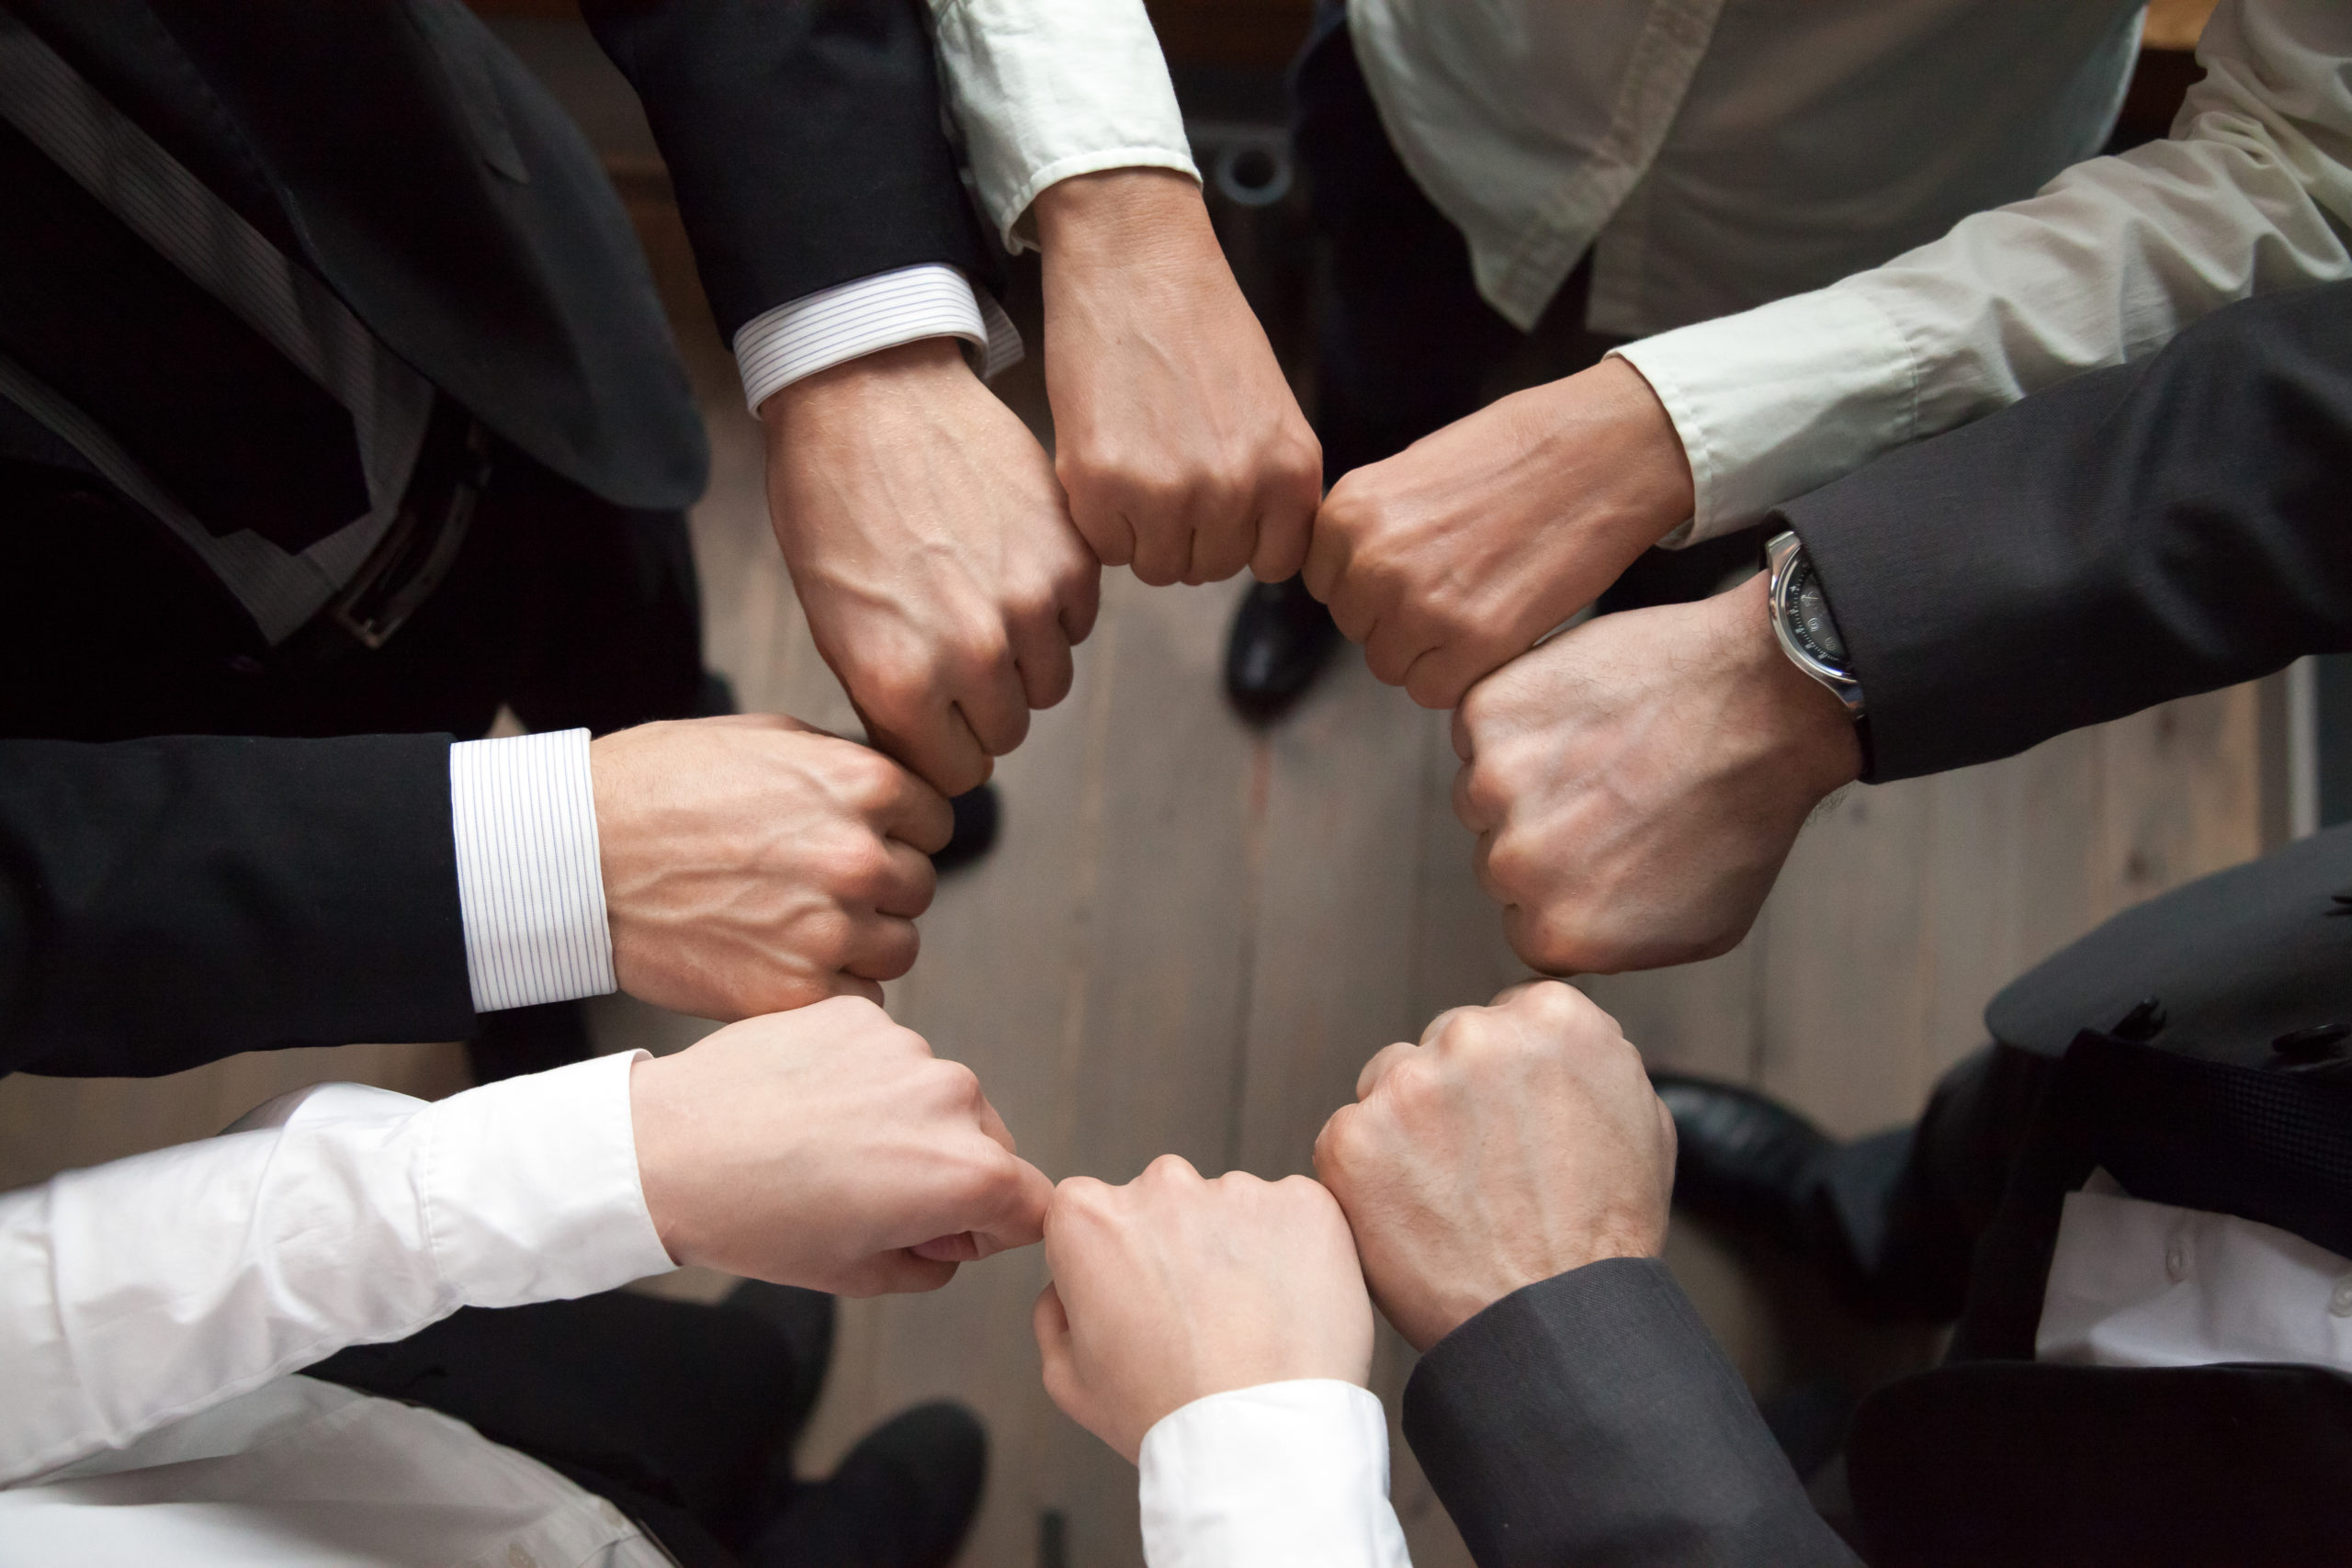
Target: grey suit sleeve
{"x": 2134, "y": 534}
{"x": 1590, "y": 1419}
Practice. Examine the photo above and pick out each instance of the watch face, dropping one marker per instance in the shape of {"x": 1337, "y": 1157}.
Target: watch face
{"x": 1808, "y": 616}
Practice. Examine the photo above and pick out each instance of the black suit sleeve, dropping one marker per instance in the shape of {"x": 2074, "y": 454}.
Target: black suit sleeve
{"x": 804, "y": 139}
{"x": 164, "y": 903}
{"x": 1591, "y": 1419}
{"x": 2128, "y": 536}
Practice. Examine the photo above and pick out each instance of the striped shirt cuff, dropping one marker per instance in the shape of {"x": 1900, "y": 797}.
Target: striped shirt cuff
{"x": 529, "y": 882}
{"x": 819, "y": 331}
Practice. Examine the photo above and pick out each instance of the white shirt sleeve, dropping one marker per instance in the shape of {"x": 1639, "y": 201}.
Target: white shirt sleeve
{"x": 2253, "y": 193}
{"x": 1281, "y": 1475}
{"x": 819, "y": 331}
{"x": 1044, "y": 90}
{"x": 139, "y": 1291}
{"x": 530, "y": 882}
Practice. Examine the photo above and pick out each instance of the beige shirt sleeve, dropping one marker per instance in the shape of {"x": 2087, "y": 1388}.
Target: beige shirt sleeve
{"x": 2251, "y": 193}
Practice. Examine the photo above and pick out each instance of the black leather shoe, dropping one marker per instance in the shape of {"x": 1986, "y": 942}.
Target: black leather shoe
{"x": 1280, "y": 639}
{"x": 978, "y": 816}
{"x": 1743, "y": 1160}
{"x": 903, "y": 1498}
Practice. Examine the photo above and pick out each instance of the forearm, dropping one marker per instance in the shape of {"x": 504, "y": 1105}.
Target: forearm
{"x": 2252, "y": 195}
{"x": 2140, "y": 534}
{"x": 1592, "y": 1418}
{"x": 143, "y": 1290}
{"x": 262, "y": 893}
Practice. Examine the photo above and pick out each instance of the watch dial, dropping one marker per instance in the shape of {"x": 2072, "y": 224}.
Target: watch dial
{"x": 1809, "y": 616}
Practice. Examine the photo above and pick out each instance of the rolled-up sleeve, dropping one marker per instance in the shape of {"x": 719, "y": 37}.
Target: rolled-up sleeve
{"x": 2252, "y": 194}
{"x": 1045, "y": 90}
{"x": 145, "y": 1290}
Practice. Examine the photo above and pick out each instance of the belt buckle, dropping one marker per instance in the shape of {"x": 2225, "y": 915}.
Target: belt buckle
{"x": 372, "y": 625}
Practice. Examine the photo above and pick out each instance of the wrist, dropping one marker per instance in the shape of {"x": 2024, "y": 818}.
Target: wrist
{"x": 1118, "y": 215}
{"x": 654, "y": 1122}
{"x": 843, "y": 393}
{"x": 1648, "y": 493}
{"x": 1809, "y": 725}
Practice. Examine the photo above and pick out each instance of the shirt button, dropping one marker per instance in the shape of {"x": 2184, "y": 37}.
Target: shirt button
{"x": 2176, "y": 1258}
{"x": 2339, "y": 1300}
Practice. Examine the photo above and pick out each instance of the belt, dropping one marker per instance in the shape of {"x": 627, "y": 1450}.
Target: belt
{"x": 453, "y": 466}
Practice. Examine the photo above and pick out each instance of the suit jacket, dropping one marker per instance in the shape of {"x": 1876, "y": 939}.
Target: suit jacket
{"x": 2136, "y": 533}
{"x": 422, "y": 171}
{"x": 169, "y": 901}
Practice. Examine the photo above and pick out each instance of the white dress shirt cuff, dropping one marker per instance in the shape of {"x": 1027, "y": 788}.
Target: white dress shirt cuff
{"x": 1045, "y": 90}
{"x": 1281, "y": 1475}
{"x": 530, "y": 883}
{"x": 1779, "y": 400}
{"x": 834, "y": 326}
{"x": 2139, "y": 1284}
{"x": 531, "y": 1187}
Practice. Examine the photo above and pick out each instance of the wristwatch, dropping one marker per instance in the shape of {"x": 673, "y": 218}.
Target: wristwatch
{"x": 1801, "y": 619}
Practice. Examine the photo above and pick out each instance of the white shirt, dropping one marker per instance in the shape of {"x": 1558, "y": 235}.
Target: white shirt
{"x": 1714, "y": 154}
{"x": 2251, "y": 193}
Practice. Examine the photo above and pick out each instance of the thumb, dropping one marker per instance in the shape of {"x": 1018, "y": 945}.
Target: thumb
{"x": 1049, "y": 1320}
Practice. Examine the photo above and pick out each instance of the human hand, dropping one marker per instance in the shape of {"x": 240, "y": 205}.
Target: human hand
{"x": 1636, "y": 783}
{"x": 1171, "y": 1289}
{"x": 1516, "y": 1142}
{"x": 828, "y": 1148}
{"x": 1181, "y": 446}
{"x": 752, "y": 865}
{"x": 1462, "y": 551}
{"x": 932, "y": 554}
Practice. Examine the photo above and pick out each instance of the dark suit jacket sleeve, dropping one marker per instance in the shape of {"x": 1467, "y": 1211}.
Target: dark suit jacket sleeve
{"x": 2131, "y": 536}
{"x": 804, "y": 139}
{"x": 1590, "y": 1419}
{"x": 167, "y": 902}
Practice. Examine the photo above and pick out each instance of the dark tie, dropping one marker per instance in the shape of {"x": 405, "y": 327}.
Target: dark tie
{"x": 212, "y": 409}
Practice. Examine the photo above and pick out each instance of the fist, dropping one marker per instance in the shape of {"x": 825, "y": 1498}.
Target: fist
{"x": 932, "y": 553}
{"x": 1462, "y": 551}
{"x": 829, "y": 1148}
{"x": 1171, "y": 1288}
{"x": 1181, "y": 448}
{"x": 1516, "y": 1142}
{"x": 1636, "y": 783}
{"x": 752, "y": 865}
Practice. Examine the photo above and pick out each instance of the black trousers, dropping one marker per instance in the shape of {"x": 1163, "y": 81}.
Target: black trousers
{"x": 570, "y": 610}
{"x": 1405, "y": 344}
{"x": 683, "y": 1415}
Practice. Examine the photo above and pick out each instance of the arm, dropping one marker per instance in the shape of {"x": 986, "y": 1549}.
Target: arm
{"x": 1181, "y": 447}
{"x": 1217, "y": 1333}
{"x": 1507, "y": 1180}
{"x": 824, "y": 1148}
{"x": 1459, "y": 553}
{"x": 275, "y": 893}
{"x": 2251, "y": 194}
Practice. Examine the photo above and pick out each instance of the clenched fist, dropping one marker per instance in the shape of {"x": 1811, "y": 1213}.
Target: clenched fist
{"x": 1171, "y": 1288}
{"x": 1636, "y": 783}
{"x": 753, "y": 864}
{"x": 1182, "y": 447}
{"x": 828, "y": 1148}
{"x": 932, "y": 553}
{"x": 1462, "y": 551}
{"x": 1516, "y": 1142}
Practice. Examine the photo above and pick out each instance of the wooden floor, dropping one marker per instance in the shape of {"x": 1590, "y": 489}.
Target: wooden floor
{"x": 1192, "y": 935}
